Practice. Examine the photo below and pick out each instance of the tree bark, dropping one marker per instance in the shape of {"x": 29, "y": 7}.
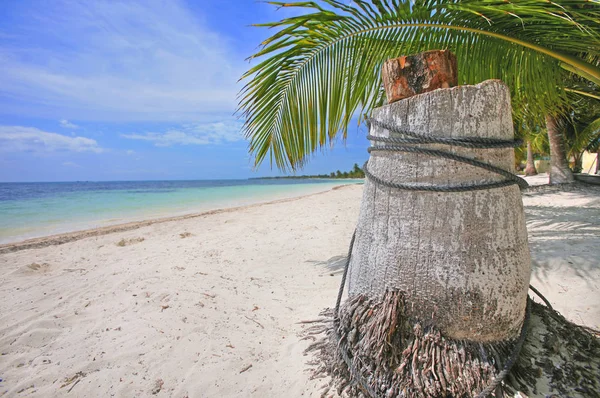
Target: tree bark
{"x": 409, "y": 75}
{"x": 560, "y": 173}
{"x": 530, "y": 168}
{"x": 461, "y": 258}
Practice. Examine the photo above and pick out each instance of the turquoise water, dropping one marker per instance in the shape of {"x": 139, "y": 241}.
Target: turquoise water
{"x": 37, "y": 209}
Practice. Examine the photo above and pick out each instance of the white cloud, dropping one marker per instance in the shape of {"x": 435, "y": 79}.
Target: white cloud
{"x": 68, "y": 125}
{"x": 130, "y": 152}
{"x": 104, "y": 60}
{"x": 31, "y": 139}
{"x": 193, "y": 134}
{"x": 70, "y": 164}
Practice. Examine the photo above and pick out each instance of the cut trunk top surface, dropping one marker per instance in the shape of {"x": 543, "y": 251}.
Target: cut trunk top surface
{"x": 461, "y": 258}
{"x": 408, "y": 75}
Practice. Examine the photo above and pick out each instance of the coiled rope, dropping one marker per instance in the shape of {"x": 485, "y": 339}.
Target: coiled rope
{"x": 395, "y": 144}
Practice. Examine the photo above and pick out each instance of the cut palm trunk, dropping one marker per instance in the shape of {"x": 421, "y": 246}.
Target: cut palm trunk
{"x": 461, "y": 258}
{"x": 438, "y": 281}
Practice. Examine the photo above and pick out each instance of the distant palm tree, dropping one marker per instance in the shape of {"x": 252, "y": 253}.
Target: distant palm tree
{"x": 320, "y": 69}
{"x": 530, "y": 169}
{"x": 571, "y": 131}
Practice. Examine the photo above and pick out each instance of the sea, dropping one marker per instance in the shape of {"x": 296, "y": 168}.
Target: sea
{"x": 30, "y": 210}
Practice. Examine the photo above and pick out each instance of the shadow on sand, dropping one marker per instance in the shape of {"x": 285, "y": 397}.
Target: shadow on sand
{"x": 564, "y": 238}
{"x": 334, "y": 266}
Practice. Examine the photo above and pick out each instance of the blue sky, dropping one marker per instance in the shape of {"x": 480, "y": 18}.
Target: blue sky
{"x": 133, "y": 90}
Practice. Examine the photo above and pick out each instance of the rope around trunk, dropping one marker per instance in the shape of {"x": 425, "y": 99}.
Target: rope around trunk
{"x": 467, "y": 142}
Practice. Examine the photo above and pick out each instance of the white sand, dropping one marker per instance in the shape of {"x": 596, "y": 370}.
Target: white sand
{"x": 564, "y": 240}
{"x": 189, "y": 314}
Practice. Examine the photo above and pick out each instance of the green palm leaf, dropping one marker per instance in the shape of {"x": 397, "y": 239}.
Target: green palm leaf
{"x": 591, "y": 135}
{"x": 582, "y": 131}
{"x": 321, "y": 68}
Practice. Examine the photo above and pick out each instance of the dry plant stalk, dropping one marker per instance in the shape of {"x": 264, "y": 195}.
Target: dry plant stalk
{"x": 397, "y": 357}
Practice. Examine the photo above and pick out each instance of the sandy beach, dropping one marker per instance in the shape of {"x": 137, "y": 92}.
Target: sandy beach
{"x": 209, "y": 305}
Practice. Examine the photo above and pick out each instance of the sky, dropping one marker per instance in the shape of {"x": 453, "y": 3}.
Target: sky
{"x": 134, "y": 90}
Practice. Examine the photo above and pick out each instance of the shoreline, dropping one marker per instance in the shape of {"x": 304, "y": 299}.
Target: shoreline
{"x": 206, "y": 296}
{"x": 66, "y": 237}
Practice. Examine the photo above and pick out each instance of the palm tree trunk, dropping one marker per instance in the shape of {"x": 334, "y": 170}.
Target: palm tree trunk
{"x": 446, "y": 250}
{"x": 530, "y": 168}
{"x": 453, "y": 263}
{"x": 560, "y": 173}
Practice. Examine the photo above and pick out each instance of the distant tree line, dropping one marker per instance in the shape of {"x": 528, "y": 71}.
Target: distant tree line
{"x": 356, "y": 172}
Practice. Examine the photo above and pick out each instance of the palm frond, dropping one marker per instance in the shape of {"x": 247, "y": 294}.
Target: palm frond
{"x": 582, "y": 123}
{"x": 322, "y": 68}
{"x": 592, "y": 134}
